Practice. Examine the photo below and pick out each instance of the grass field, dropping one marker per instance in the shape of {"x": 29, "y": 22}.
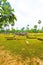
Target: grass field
{"x": 22, "y": 46}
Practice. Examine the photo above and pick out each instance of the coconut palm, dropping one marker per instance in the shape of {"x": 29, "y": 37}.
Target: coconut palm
{"x": 22, "y": 29}
{"x": 35, "y": 27}
{"x": 39, "y": 22}
{"x": 27, "y": 27}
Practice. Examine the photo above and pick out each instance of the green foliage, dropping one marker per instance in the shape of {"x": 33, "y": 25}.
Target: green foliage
{"x": 6, "y": 13}
{"x": 35, "y": 26}
{"x": 4, "y": 0}
{"x": 22, "y": 29}
{"x": 39, "y": 21}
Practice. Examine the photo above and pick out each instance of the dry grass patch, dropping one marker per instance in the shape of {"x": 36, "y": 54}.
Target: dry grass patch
{"x": 7, "y": 59}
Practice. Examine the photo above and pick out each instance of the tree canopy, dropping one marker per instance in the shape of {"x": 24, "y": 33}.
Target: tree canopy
{"x": 6, "y": 13}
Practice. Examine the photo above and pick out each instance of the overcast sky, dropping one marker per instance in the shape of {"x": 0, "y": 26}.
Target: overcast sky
{"x": 27, "y": 12}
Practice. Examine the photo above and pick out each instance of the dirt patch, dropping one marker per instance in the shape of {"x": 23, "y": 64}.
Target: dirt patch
{"x": 7, "y": 59}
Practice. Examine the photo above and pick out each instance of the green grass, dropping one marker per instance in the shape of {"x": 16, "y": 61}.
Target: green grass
{"x": 19, "y": 47}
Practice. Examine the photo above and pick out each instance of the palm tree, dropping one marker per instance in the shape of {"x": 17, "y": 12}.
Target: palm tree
{"x": 39, "y": 22}
{"x": 22, "y": 29}
{"x": 27, "y": 28}
{"x": 35, "y": 27}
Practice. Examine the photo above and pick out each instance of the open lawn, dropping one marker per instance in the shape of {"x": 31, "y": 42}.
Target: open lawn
{"x": 23, "y": 47}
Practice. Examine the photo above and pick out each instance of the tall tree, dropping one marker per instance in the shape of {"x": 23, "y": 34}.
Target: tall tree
{"x": 27, "y": 27}
{"x": 39, "y": 22}
{"x": 22, "y": 29}
{"x": 35, "y": 27}
{"x": 7, "y": 15}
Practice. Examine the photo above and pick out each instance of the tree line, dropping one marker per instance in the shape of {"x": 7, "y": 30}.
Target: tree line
{"x": 35, "y": 29}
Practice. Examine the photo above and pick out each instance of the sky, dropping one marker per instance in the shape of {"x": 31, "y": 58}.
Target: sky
{"x": 28, "y": 12}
